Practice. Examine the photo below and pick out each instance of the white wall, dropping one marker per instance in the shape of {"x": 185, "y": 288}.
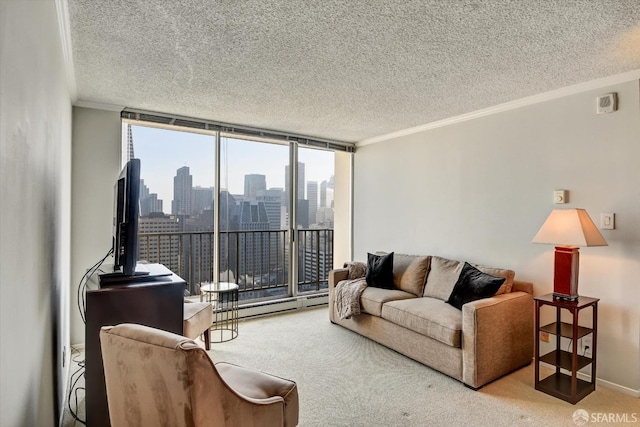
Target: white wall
{"x": 342, "y": 209}
{"x": 97, "y": 149}
{"x": 35, "y": 135}
{"x": 479, "y": 190}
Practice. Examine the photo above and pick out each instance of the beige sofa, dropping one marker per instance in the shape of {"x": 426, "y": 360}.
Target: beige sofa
{"x": 485, "y": 340}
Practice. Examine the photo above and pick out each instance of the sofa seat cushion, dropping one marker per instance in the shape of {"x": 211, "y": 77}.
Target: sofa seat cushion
{"x": 372, "y": 299}
{"x": 427, "y": 316}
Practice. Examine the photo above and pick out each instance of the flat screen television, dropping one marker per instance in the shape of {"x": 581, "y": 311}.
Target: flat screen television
{"x": 125, "y": 219}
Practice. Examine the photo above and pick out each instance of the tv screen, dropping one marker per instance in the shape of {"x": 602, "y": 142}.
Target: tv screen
{"x": 125, "y": 219}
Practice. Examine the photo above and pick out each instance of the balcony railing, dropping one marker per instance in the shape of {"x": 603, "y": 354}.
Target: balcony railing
{"x": 257, "y": 260}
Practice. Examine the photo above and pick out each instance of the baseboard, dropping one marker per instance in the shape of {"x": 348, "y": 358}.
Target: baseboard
{"x": 264, "y": 308}
{"x": 613, "y": 386}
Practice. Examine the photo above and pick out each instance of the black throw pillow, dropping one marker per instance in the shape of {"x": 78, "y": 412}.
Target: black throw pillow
{"x": 380, "y": 271}
{"x": 473, "y": 285}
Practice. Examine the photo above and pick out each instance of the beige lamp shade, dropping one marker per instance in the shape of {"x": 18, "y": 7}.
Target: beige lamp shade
{"x": 569, "y": 227}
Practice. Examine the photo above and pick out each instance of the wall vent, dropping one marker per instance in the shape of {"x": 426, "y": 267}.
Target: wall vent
{"x": 607, "y": 103}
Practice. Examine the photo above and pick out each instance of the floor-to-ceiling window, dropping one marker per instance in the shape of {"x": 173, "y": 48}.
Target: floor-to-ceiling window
{"x": 254, "y": 209}
{"x": 176, "y": 199}
{"x": 315, "y": 176}
{"x": 274, "y": 200}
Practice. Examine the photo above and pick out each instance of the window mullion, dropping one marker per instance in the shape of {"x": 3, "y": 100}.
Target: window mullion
{"x": 293, "y": 218}
{"x": 216, "y": 210}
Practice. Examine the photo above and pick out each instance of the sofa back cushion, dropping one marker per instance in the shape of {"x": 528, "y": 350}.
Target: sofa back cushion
{"x": 508, "y": 275}
{"x": 442, "y": 277}
{"x": 410, "y": 273}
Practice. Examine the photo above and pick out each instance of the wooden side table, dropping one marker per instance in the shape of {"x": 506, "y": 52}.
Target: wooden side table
{"x": 564, "y": 382}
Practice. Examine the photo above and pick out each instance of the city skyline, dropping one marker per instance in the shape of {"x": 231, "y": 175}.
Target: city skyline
{"x": 192, "y": 200}
{"x": 163, "y": 152}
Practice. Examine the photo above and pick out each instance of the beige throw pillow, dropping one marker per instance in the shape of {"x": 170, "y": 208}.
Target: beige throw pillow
{"x": 442, "y": 277}
{"x": 410, "y": 272}
{"x": 508, "y": 275}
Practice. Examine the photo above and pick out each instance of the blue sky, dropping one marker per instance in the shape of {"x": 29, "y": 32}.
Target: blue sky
{"x": 162, "y": 152}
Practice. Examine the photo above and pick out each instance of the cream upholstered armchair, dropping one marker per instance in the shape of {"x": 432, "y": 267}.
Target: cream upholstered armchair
{"x": 197, "y": 320}
{"x": 156, "y": 378}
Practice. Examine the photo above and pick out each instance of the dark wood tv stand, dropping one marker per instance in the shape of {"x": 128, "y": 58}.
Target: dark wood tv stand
{"x": 151, "y": 301}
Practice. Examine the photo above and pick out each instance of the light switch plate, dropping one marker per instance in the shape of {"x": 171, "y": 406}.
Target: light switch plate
{"x": 607, "y": 221}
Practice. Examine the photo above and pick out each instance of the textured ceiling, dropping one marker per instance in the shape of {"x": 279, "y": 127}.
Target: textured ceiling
{"x": 343, "y": 70}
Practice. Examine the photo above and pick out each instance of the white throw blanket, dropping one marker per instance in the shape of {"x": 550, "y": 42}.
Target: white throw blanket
{"x": 348, "y": 294}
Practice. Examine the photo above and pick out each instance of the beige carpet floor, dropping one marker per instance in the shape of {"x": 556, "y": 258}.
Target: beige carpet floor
{"x": 345, "y": 379}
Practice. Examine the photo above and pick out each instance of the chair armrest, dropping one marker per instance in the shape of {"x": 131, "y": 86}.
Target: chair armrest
{"x": 497, "y": 337}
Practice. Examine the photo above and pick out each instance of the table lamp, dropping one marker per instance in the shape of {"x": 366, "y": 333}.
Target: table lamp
{"x": 568, "y": 229}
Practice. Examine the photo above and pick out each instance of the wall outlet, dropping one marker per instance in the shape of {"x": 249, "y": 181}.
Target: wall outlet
{"x": 544, "y": 336}
{"x": 586, "y": 346}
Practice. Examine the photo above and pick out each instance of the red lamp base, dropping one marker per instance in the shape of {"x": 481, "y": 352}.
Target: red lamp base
{"x": 565, "y": 277}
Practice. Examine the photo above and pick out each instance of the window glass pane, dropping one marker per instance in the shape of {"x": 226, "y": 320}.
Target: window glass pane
{"x": 253, "y": 217}
{"x": 176, "y": 200}
{"x": 315, "y": 218}
{"x": 177, "y": 210}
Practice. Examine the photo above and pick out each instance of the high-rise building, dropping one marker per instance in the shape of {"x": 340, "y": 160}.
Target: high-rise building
{"x": 323, "y": 194}
{"x": 202, "y": 221}
{"x": 144, "y": 190}
{"x": 160, "y": 249}
{"x": 302, "y": 213}
{"x": 202, "y": 199}
{"x": 182, "y": 203}
{"x": 254, "y": 183}
{"x": 272, "y": 199}
{"x": 326, "y": 193}
{"x": 325, "y": 218}
{"x": 130, "y": 154}
{"x": 149, "y": 202}
{"x": 252, "y": 248}
{"x": 315, "y": 259}
{"x": 312, "y": 197}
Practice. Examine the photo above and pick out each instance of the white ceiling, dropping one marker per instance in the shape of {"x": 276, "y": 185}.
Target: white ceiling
{"x": 342, "y": 70}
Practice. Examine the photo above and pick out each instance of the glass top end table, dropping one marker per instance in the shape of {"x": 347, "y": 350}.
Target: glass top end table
{"x": 223, "y": 296}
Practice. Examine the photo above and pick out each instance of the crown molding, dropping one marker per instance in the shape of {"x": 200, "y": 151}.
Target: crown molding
{"x": 511, "y": 105}
{"x": 64, "y": 30}
{"x": 98, "y": 105}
